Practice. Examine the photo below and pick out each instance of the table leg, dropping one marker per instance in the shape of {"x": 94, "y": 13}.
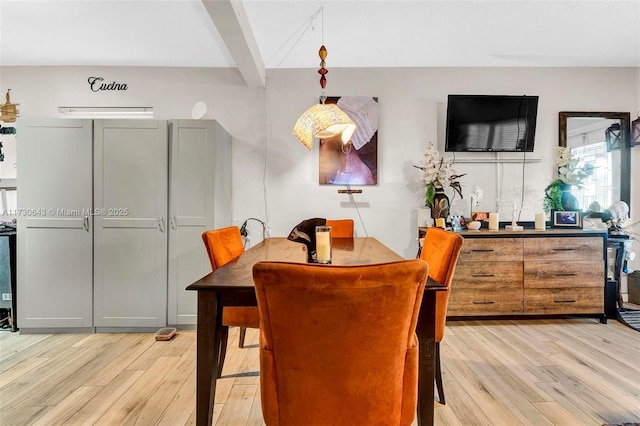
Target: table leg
{"x": 426, "y": 331}
{"x": 620, "y": 255}
{"x": 207, "y": 353}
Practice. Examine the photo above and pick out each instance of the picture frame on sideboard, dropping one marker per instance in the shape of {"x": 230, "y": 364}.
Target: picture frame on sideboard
{"x": 566, "y": 219}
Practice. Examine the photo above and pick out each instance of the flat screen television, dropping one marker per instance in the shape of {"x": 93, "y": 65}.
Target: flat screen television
{"x": 491, "y": 123}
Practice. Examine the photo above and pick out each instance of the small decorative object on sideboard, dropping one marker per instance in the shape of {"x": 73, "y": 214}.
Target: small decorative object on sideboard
{"x": 494, "y": 221}
{"x": 615, "y": 216}
{"x": 458, "y": 223}
{"x": 474, "y": 225}
{"x": 571, "y": 171}
{"x": 541, "y": 222}
{"x": 437, "y": 174}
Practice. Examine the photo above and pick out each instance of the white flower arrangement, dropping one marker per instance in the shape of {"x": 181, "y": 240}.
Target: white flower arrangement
{"x": 570, "y": 172}
{"x": 569, "y": 169}
{"x": 438, "y": 172}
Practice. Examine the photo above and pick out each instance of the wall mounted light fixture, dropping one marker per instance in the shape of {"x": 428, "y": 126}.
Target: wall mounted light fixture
{"x": 105, "y": 112}
{"x": 635, "y": 131}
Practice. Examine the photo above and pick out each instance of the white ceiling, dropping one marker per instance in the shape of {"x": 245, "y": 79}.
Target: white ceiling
{"x": 361, "y": 33}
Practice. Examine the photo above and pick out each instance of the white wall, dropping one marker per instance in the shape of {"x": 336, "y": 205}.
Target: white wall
{"x": 413, "y": 106}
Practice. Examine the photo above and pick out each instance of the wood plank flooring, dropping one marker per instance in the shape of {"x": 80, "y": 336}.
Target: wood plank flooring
{"x": 496, "y": 372}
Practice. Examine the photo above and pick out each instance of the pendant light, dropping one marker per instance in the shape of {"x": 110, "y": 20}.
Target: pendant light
{"x": 323, "y": 120}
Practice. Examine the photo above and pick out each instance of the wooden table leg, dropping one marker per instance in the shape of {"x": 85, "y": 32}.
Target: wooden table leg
{"x": 207, "y": 353}
{"x": 426, "y": 331}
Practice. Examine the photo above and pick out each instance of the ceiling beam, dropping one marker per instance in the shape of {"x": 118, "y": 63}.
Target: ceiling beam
{"x": 230, "y": 19}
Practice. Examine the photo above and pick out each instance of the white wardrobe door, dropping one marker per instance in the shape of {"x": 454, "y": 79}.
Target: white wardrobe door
{"x": 130, "y": 201}
{"x": 55, "y": 230}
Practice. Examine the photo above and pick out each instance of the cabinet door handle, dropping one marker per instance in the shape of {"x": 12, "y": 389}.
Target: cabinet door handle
{"x": 566, "y": 274}
{"x": 482, "y": 275}
{"x": 85, "y": 223}
{"x": 565, "y": 301}
{"x": 564, "y": 249}
{"x": 173, "y": 221}
{"x": 482, "y": 250}
{"x": 161, "y": 224}
{"x": 483, "y": 303}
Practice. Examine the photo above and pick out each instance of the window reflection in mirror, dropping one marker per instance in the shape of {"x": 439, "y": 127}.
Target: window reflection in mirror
{"x": 601, "y": 139}
{"x": 593, "y": 140}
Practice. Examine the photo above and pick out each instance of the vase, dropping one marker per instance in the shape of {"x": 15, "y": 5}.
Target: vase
{"x": 440, "y": 207}
{"x": 569, "y": 201}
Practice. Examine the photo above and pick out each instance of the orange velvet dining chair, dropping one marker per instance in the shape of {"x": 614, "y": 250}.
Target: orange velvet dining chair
{"x": 441, "y": 250}
{"x": 338, "y": 343}
{"x": 341, "y": 228}
{"x": 223, "y": 245}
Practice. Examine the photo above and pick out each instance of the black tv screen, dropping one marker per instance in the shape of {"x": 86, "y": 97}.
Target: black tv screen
{"x": 491, "y": 123}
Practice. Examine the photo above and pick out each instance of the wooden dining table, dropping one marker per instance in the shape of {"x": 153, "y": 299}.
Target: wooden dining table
{"x": 232, "y": 285}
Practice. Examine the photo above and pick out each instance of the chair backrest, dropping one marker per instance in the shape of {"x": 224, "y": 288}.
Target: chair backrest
{"x": 341, "y": 228}
{"x": 223, "y": 245}
{"x": 441, "y": 250}
{"x": 338, "y": 343}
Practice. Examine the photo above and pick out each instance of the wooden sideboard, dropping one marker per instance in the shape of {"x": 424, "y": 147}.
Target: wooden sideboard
{"x": 552, "y": 272}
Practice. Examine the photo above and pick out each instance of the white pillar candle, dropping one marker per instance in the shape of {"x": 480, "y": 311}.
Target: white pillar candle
{"x": 540, "y": 222}
{"x": 494, "y": 222}
{"x": 323, "y": 245}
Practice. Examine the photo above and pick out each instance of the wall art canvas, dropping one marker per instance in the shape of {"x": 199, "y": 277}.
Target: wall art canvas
{"x": 355, "y": 163}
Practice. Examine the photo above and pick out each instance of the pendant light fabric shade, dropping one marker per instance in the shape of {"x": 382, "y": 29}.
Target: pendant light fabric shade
{"x": 323, "y": 121}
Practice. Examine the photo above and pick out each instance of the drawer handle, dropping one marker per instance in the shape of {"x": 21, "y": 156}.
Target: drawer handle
{"x": 483, "y": 303}
{"x": 482, "y": 250}
{"x": 482, "y": 275}
{"x": 566, "y": 274}
{"x": 565, "y": 301}
{"x": 564, "y": 249}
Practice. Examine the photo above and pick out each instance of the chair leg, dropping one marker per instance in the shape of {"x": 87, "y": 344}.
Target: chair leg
{"x": 243, "y": 333}
{"x": 439, "y": 376}
{"x": 224, "y": 338}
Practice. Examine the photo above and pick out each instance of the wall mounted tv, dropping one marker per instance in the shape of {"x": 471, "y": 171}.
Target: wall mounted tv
{"x": 491, "y": 123}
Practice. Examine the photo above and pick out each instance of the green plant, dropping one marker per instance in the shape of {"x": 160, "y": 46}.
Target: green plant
{"x": 553, "y": 196}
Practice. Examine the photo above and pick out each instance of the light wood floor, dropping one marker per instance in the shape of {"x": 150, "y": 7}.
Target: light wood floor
{"x": 530, "y": 372}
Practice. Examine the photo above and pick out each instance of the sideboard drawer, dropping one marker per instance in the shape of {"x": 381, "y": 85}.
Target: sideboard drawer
{"x": 490, "y": 249}
{"x": 564, "y": 301}
{"x": 550, "y": 274}
{"x": 485, "y": 302}
{"x": 489, "y": 275}
{"x": 567, "y": 248}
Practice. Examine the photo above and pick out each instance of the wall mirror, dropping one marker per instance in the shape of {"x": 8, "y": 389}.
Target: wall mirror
{"x": 601, "y": 138}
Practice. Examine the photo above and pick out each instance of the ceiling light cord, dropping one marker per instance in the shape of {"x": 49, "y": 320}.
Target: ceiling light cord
{"x": 304, "y": 27}
{"x": 267, "y": 129}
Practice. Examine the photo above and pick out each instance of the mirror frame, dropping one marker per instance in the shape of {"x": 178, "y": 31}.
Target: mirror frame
{"x": 625, "y": 148}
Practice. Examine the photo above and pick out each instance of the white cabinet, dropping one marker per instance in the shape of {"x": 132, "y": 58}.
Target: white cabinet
{"x": 55, "y": 230}
{"x": 128, "y": 205}
{"x": 199, "y": 199}
{"x": 130, "y": 241}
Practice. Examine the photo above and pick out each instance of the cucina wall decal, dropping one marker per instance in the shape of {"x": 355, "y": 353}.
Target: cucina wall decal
{"x": 96, "y": 84}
